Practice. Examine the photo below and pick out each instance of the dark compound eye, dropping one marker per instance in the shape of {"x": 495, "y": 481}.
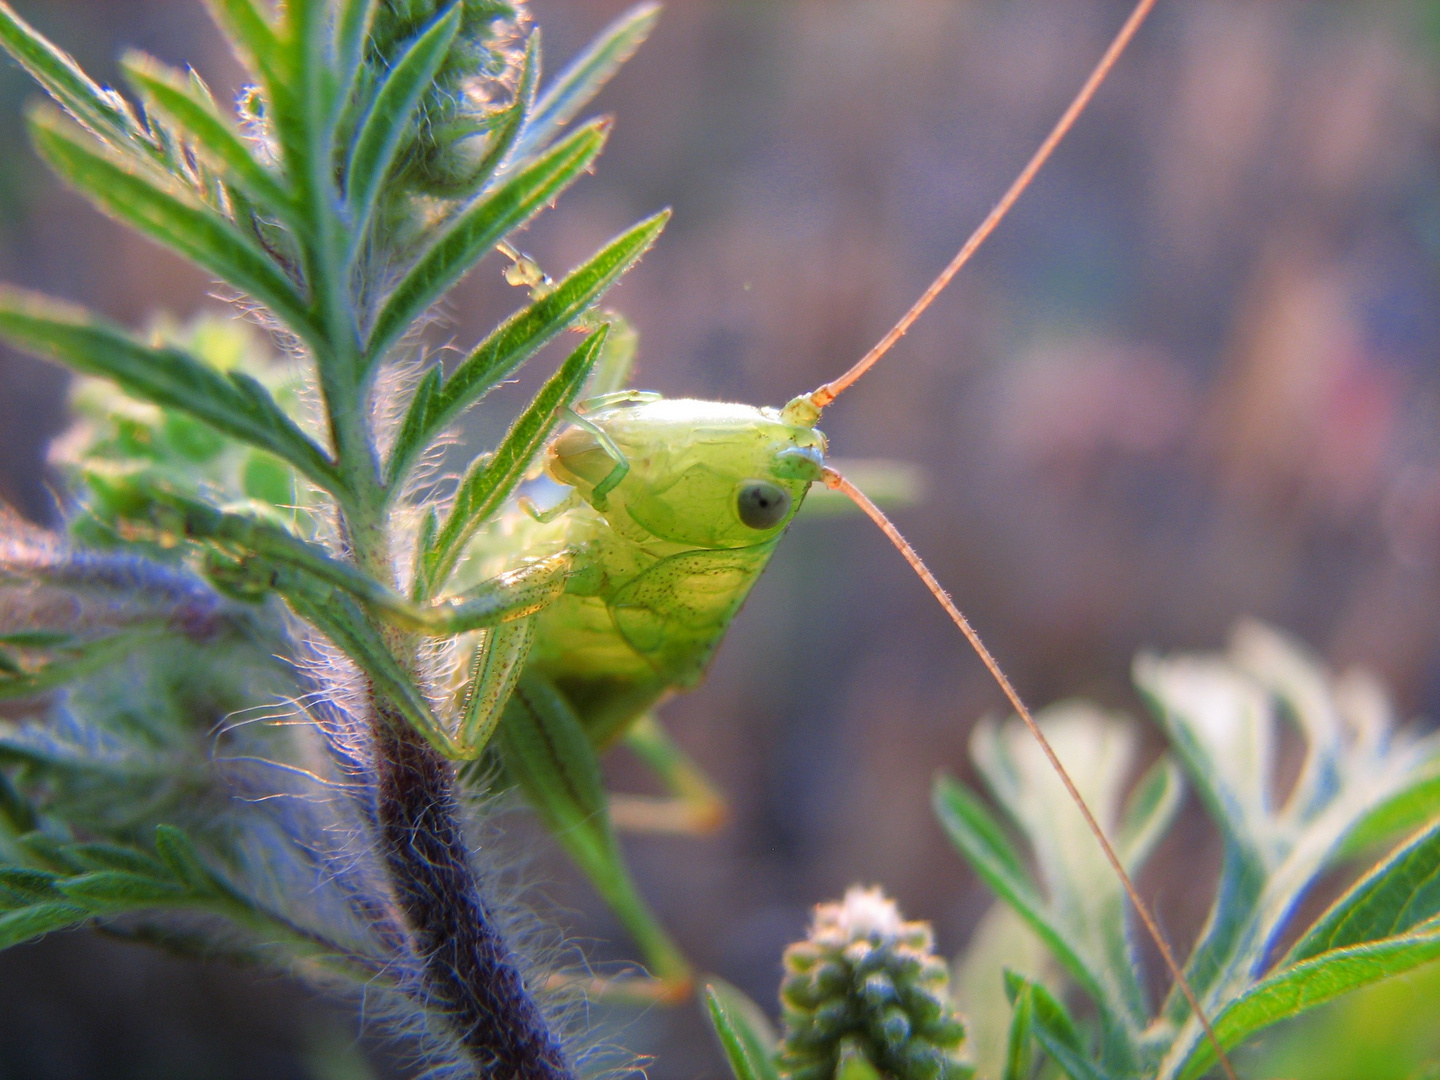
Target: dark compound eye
{"x": 762, "y": 505}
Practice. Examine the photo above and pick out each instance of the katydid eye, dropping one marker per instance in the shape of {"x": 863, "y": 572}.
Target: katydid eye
{"x": 762, "y": 505}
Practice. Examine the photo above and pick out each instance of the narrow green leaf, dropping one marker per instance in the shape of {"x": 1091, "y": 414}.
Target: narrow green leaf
{"x": 99, "y": 856}
{"x": 249, "y": 31}
{"x": 101, "y": 110}
{"x": 116, "y": 890}
{"x": 1148, "y": 812}
{"x": 476, "y": 230}
{"x": 745, "y": 1035}
{"x": 352, "y": 28}
{"x": 391, "y": 114}
{"x": 176, "y": 95}
{"x": 163, "y": 211}
{"x": 177, "y": 851}
{"x": 434, "y": 405}
{"x": 505, "y": 129}
{"x": 980, "y": 839}
{"x": 1019, "y": 1056}
{"x": 1410, "y": 808}
{"x": 484, "y": 489}
{"x": 1395, "y": 897}
{"x": 1052, "y": 1025}
{"x": 28, "y": 884}
{"x": 1300, "y": 987}
{"x": 165, "y": 375}
{"x": 584, "y": 77}
{"x": 31, "y": 922}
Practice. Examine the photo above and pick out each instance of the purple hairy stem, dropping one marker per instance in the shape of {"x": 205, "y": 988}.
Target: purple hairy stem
{"x": 469, "y": 970}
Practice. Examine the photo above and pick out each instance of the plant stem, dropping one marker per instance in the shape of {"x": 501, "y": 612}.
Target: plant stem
{"x": 468, "y": 968}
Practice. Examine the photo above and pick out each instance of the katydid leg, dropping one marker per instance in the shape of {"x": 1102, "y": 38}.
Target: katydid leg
{"x": 694, "y": 804}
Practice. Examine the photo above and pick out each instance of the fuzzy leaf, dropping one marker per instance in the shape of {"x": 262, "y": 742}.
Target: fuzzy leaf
{"x": 1052, "y": 1026}
{"x": 436, "y": 403}
{"x": 101, "y": 110}
{"x": 249, "y": 31}
{"x": 1300, "y": 987}
{"x": 745, "y": 1035}
{"x": 173, "y": 93}
{"x": 391, "y": 113}
{"x": 476, "y": 229}
{"x": 116, "y": 890}
{"x": 165, "y": 212}
{"x": 484, "y": 489}
{"x": 31, "y": 922}
{"x": 166, "y": 375}
{"x": 980, "y": 839}
{"x": 1394, "y": 898}
{"x": 584, "y": 77}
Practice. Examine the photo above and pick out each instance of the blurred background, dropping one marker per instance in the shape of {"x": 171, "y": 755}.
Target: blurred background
{"x": 1193, "y": 377}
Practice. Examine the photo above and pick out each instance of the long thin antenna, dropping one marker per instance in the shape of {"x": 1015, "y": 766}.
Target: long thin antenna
{"x": 831, "y": 390}
{"x": 836, "y": 482}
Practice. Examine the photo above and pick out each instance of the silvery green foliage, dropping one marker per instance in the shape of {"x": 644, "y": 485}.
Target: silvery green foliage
{"x": 863, "y": 996}
{"x": 228, "y": 734}
{"x": 1363, "y": 783}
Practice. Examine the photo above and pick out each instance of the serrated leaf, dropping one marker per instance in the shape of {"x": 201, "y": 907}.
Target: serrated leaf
{"x": 484, "y": 489}
{"x": 31, "y": 922}
{"x": 584, "y": 76}
{"x": 165, "y": 375}
{"x": 745, "y": 1035}
{"x": 28, "y": 885}
{"x": 177, "y": 851}
{"x": 476, "y": 230}
{"x": 167, "y": 213}
{"x": 980, "y": 839}
{"x": 101, "y": 110}
{"x": 391, "y": 113}
{"x": 435, "y": 405}
{"x": 1394, "y": 898}
{"x": 116, "y": 890}
{"x": 214, "y": 137}
{"x": 1306, "y": 985}
{"x": 100, "y": 856}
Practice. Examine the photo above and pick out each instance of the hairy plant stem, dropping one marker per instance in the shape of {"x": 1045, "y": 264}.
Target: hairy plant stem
{"x": 469, "y": 970}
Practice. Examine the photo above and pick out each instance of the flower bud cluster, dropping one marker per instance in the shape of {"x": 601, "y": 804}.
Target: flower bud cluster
{"x": 867, "y": 982}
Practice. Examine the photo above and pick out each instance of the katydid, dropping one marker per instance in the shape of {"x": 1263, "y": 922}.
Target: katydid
{"x": 672, "y": 508}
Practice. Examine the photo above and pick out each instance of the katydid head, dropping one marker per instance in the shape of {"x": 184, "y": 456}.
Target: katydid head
{"x": 700, "y": 473}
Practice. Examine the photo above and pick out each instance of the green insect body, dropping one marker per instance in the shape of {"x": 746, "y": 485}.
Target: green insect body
{"x": 674, "y": 508}
{"x": 664, "y": 560}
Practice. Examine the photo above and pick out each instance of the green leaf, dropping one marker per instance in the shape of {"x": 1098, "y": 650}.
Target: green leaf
{"x": 175, "y": 94}
{"x": 1019, "y": 1058}
{"x": 31, "y": 922}
{"x": 116, "y": 890}
{"x": 476, "y": 230}
{"x": 27, "y": 884}
{"x": 165, "y": 212}
{"x": 1300, "y": 987}
{"x": 584, "y": 77}
{"x": 1394, "y": 898}
{"x": 504, "y": 127}
{"x": 391, "y": 114}
{"x": 103, "y": 111}
{"x": 1052, "y": 1025}
{"x": 436, "y": 405}
{"x": 168, "y": 376}
{"x": 1149, "y": 811}
{"x": 745, "y": 1035}
{"x": 1415, "y": 804}
{"x": 250, "y": 32}
{"x": 177, "y": 851}
{"x": 114, "y": 857}
{"x": 980, "y": 839}
{"x": 352, "y": 28}
{"x": 484, "y": 489}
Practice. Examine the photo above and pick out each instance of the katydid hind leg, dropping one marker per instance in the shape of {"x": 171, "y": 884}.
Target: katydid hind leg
{"x": 500, "y": 654}
{"x": 546, "y": 752}
{"x": 694, "y": 804}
